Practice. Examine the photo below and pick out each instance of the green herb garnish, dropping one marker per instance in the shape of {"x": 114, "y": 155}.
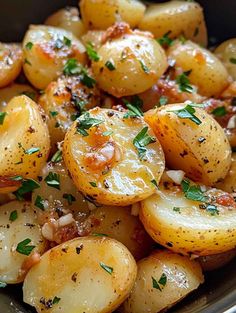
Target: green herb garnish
{"x": 57, "y": 157}
{"x": 53, "y": 113}
{"x": 56, "y": 300}
{"x": 233, "y": 60}
{"x": 160, "y": 284}
{"x": 23, "y": 247}
{"x": 141, "y": 141}
{"x": 13, "y": 216}
{"x": 53, "y": 180}
{"x": 166, "y": 41}
{"x": 28, "y": 185}
{"x": 32, "y": 150}
{"x": 92, "y": 54}
{"x": 107, "y": 133}
{"x": 93, "y": 184}
{"x": 219, "y": 111}
{"x": 134, "y": 109}
{"x": 39, "y": 202}
{"x": 154, "y": 182}
{"x": 86, "y": 122}
{"x": 107, "y": 268}
{"x": 193, "y": 192}
{"x": 29, "y": 45}
{"x": 188, "y": 113}
{"x": 183, "y": 82}
{"x": 69, "y": 197}
{"x": 110, "y": 65}
{"x": 2, "y": 117}
{"x": 144, "y": 67}
{"x": 163, "y": 100}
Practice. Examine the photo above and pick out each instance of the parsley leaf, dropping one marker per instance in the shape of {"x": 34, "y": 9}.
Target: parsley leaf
{"x": 67, "y": 41}
{"x": 212, "y": 209}
{"x": 183, "y": 82}
{"x": 176, "y": 209}
{"x": 13, "y": 216}
{"x": 28, "y": 185}
{"x": 165, "y": 41}
{"x": 163, "y": 100}
{"x": 233, "y": 60}
{"x": 110, "y": 65}
{"x": 32, "y": 150}
{"x": 53, "y": 113}
{"x": 93, "y": 184}
{"x": 193, "y": 192}
{"x": 69, "y": 197}
{"x": 2, "y": 284}
{"x": 134, "y": 109}
{"x": 23, "y": 247}
{"x": 39, "y": 202}
{"x": 92, "y": 54}
{"x": 53, "y": 180}
{"x": 219, "y": 111}
{"x": 56, "y": 300}
{"x": 2, "y": 117}
{"x": 57, "y": 157}
{"x": 107, "y": 133}
{"x": 144, "y": 67}
{"x": 86, "y": 122}
{"x": 29, "y": 45}
{"x": 188, "y": 113}
{"x": 154, "y": 182}
{"x": 30, "y": 94}
{"x": 141, "y": 140}
{"x": 107, "y": 268}
{"x": 160, "y": 283}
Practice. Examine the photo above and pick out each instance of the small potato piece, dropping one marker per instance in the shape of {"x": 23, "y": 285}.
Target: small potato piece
{"x": 88, "y": 274}
{"x": 63, "y": 101}
{"x": 201, "y": 151}
{"x": 23, "y": 129}
{"x": 213, "y": 262}
{"x": 93, "y": 36}
{"x": 68, "y": 19}
{"x": 178, "y": 18}
{"x": 46, "y": 50}
{"x": 179, "y": 274}
{"x": 226, "y": 52}
{"x": 138, "y": 61}
{"x": 229, "y": 183}
{"x": 118, "y": 223}
{"x": 207, "y": 71}
{"x": 105, "y": 164}
{"x": 13, "y": 232}
{"x": 11, "y": 59}
{"x": 190, "y": 227}
{"x": 100, "y": 14}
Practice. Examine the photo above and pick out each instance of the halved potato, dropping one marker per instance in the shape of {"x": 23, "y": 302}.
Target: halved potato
{"x": 86, "y": 274}
{"x": 18, "y": 223}
{"x": 11, "y": 60}
{"x": 46, "y": 50}
{"x": 163, "y": 279}
{"x": 213, "y": 262}
{"x": 229, "y": 183}
{"x": 104, "y": 162}
{"x": 24, "y": 141}
{"x": 226, "y": 52}
{"x": 191, "y": 227}
{"x": 195, "y": 143}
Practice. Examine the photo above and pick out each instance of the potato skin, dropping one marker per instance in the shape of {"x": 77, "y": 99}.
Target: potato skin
{"x": 11, "y": 60}
{"x": 178, "y": 18}
{"x": 183, "y": 276}
{"x": 216, "y": 261}
{"x": 23, "y": 128}
{"x": 207, "y": 71}
{"x": 229, "y": 183}
{"x": 108, "y": 168}
{"x": 201, "y": 151}
{"x": 73, "y": 272}
{"x": 129, "y": 54}
{"x": 13, "y": 232}
{"x": 44, "y": 61}
{"x": 101, "y": 14}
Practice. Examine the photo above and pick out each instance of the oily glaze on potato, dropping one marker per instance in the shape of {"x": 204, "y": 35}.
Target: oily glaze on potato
{"x": 101, "y": 14}
{"x": 129, "y": 63}
{"x": 190, "y": 227}
{"x": 179, "y": 274}
{"x": 201, "y": 151}
{"x": 89, "y": 274}
{"x": 207, "y": 71}
{"x": 11, "y": 59}
{"x": 178, "y": 18}
{"x": 68, "y": 19}
{"x": 12, "y": 232}
{"x": 229, "y": 183}
{"x": 105, "y": 164}
{"x": 23, "y": 129}
{"x": 46, "y": 50}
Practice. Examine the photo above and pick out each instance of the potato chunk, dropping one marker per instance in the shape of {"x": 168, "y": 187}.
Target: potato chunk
{"x": 229, "y": 183}
{"x": 226, "y": 52}
{"x": 87, "y": 274}
{"x": 100, "y": 153}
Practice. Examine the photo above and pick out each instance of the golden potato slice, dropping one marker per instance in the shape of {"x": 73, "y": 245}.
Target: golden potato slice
{"x": 100, "y": 14}
{"x": 18, "y": 223}
{"x": 213, "y": 262}
{"x": 24, "y": 140}
{"x": 129, "y": 63}
{"x": 192, "y": 141}
{"x": 113, "y": 159}
{"x": 46, "y": 50}
{"x": 176, "y": 18}
{"x": 11, "y": 60}
{"x": 226, "y": 52}
{"x": 68, "y": 19}
{"x": 229, "y": 183}
{"x": 207, "y": 72}
{"x": 163, "y": 279}
{"x": 203, "y": 227}
{"x": 86, "y": 274}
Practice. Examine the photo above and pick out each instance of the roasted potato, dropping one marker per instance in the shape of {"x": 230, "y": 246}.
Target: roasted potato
{"x": 193, "y": 142}
{"x": 163, "y": 279}
{"x": 93, "y": 36}
{"x": 207, "y": 72}
{"x": 68, "y": 19}
{"x": 113, "y": 159}
{"x": 229, "y": 183}
{"x": 46, "y": 50}
{"x": 11, "y": 60}
{"x": 100, "y": 14}
{"x": 86, "y": 274}
{"x": 18, "y": 223}
{"x": 226, "y": 52}
{"x": 213, "y": 262}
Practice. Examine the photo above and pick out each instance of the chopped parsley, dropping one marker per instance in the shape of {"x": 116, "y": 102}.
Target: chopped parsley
{"x": 69, "y": 197}
{"x": 28, "y": 185}
{"x": 188, "y": 113}
{"x": 93, "y": 184}
{"x": 233, "y": 60}
{"x": 30, "y": 94}
{"x": 107, "y": 268}
{"x": 165, "y": 41}
{"x": 107, "y": 133}
{"x": 17, "y": 178}
{"x": 2, "y": 117}
{"x": 2, "y": 284}
{"x": 24, "y": 248}
{"x": 193, "y": 192}
{"x": 110, "y": 65}
{"x": 100, "y": 235}
{"x": 141, "y": 141}
{"x": 163, "y": 100}
{"x": 67, "y": 41}
{"x": 176, "y": 209}
{"x": 32, "y": 150}
{"x": 210, "y": 208}
{"x": 53, "y": 113}
{"x": 183, "y": 82}
{"x": 39, "y": 202}
{"x": 56, "y": 300}
{"x": 160, "y": 284}
{"x": 182, "y": 39}
{"x": 86, "y": 122}
{"x": 144, "y": 67}
{"x": 57, "y": 157}
{"x": 27, "y": 61}
{"x": 154, "y": 182}
{"x": 134, "y": 109}
{"x": 219, "y": 111}
{"x": 53, "y": 180}
{"x": 59, "y": 43}
{"x": 92, "y": 54}
{"x": 13, "y": 216}
{"x": 29, "y": 45}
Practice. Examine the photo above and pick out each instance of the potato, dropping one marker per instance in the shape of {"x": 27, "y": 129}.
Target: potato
{"x": 46, "y": 50}
{"x": 63, "y": 101}
{"x": 24, "y": 143}
{"x": 103, "y": 161}
{"x": 186, "y": 226}
{"x": 11, "y": 59}
{"x": 163, "y": 279}
{"x": 18, "y": 223}
{"x": 207, "y": 71}
{"x": 229, "y": 183}
{"x": 226, "y": 52}
{"x": 88, "y": 274}
{"x": 213, "y": 262}
{"x": 68, "y": 19}
{"x": 95, "y": 37}
{"x": 118, "y": 223}
{"x": 129, "y": 64}
{"x": 100, "y": 14}
{"x": 200, "y": 148}
{"x": 178, "y": 18}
